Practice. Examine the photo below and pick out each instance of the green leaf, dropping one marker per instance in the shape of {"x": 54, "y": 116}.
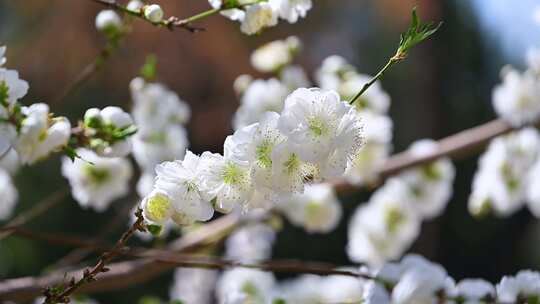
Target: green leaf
{"x": 121, "y": 134}
{"x": 176, "y": 302}
{"x": 4, "y": 94}
{"x": 416, "y": 33}
{"x": 279, "y": 301}
{"x": 149, "y": 69}
{"x": 71, "y": 153}
{"x": 155, "y": 230}
{"x": 150, "y": 300}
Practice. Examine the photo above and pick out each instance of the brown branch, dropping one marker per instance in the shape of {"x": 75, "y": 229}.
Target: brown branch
{"x": 78, "y": 254}
{"x": 170, "y": 23}
{"x": 110, "y": 48}
{"x": 57, "y": 239}
{"x": 120, "y": 274}
{"x": 89, "y": 274}
{"x": 128, "y": 273}
{"x": 41, "y": 207}
{"x": 454, "y": 146}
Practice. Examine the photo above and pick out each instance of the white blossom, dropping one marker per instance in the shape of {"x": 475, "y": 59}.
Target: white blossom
{"x": 337, "y": 74}
{"x": 241, "y": 285}
{"x": 156, "y": 106}
{"x": 157, "y": 207}
{"x": 257, "y": 17}
{"x": 323, "y": 129}
{"x": 275, "y": 55}
{"x": 533, "y": 60}
{"x": 501, "y": 180}
{"x": 109, "y": 120}
{"x": 193, "y": 285}
{"x": 329, "y": 74}
{"x": 305, "y": 289}
{"x": 533, "y": 189}
{"x": 289, "y": 172}
{"x": 517, "y": 98}
{"x": 309, "y": 289}
{"x": 430, "y": 185}
{"x": 250, "y": 243}
{"x": 16, "y": 87}
{"x": 475, "y": 290}
{"x": 153, "y": 12}
{"x": 317, "y": 209}
{"x": 145, "y": 184}
{"x": 383, "y": 228}
{"x": 108, "y": 19}
{"x": 224, "y": 179}
{"x": 260, "y": 96}
{"x": 241, "y": 84}
{"x": 74, "y": 300}
{"x": 40, "y": 134}
{"x": 180, "y": 181}
{"x": 2, "y": 55}
{"x": 525, "y": 285}
{"x": 294, "y": 77}
{"x": 420, "y": 282}
{"x": 97, "y": 181}
{"x": 291, "y": 10}
{"x": 378, "y": 135}
{"x": 135, "y": 5}
{"x": 10, "y": 161}
{"x": 150, "y": 149}
{"x": 9, "y": 195}
{"x": 254, "y": 144}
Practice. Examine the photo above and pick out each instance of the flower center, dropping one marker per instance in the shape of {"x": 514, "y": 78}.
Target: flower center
{"x": 263, "y": 153}
{"x": 97, "y": 176}
{"x": 393, "y": 219}
{"x": 317, "y": 126}
{"x": 232, "y": 174}
{"x": 292, "y": 164}
{"x": 157, "y": 207}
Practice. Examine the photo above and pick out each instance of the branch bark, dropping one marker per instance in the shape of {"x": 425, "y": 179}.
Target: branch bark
{"x": 120, "y": 274}
{"x": 124, "y": 274}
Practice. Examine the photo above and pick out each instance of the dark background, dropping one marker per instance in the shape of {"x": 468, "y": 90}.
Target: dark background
{"x": 444, "y": 87}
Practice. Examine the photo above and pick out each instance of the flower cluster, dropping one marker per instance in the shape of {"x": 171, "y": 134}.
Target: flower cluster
{"x": 413, "y": 280}
{"x": 108, "y": 131}
{"x": 160, "y": 116}
{"x": 508, "y": 175}
{"x": 383, "y": 228}
{"x": 517, "y": 98}
{"x": 416, "y": 280}
{"x": 337, "y": 74}
{"x": 256, "y": 15}
{"x": 263, "y": 164}
{"x": 32, "y": 133}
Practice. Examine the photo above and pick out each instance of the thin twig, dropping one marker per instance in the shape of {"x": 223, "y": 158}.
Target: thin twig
{"x": 171, "y": 23}
{"x": 38, "y": 209}
{"x": 77, "y": 255}
{"x": 89, "y": 274}
{"x": 110, "y": 48}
